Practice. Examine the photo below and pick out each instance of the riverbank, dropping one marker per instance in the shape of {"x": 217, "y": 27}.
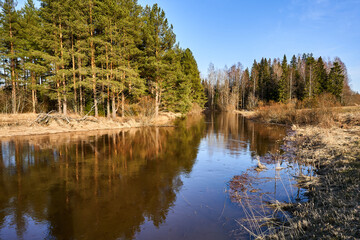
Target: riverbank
{"x": 328, "y": 140}
{"x": 288, "y": 114}
{"x": 39, "y": 124}
{"x": 333, "y": 208}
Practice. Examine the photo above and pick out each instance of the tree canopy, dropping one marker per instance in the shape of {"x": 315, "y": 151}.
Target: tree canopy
{"x": 276, "y": 80}
{"x": 103, "y": 56}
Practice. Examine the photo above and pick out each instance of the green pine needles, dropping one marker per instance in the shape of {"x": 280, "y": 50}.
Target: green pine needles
{"x": 104, "y": 56}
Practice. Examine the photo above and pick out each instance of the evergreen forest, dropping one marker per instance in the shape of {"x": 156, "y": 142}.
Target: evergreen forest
{"x": 302, "y": 78}
{"x": 107, "y": 57}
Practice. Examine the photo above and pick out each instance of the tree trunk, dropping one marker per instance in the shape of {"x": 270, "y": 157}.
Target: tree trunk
{"x": 157, "y": 97}
{"x": 92, "y": 47}
{"x": 80, "y": 89}
{"x": 57, "y": 69}
{"x": 254, "y": 85}
{"x": 63, "y": 68}
{"x": 291, "y": 78}
{"x": 107, "y": 83}
{"x": 157, "y": 100}
{"x": 108, "y": 103}
{"x": 74, "y": 74}
{"x": 113, "y": 106}
{"x": 129, "y": 68}
{"x": 310, "y": 91}
{"x": 13, "y": 81}
{"x": 65, "y": 99}
{"x": 122, "y": 104}
{"x": 58, "y": 93}
{"x": 33, "y": 91}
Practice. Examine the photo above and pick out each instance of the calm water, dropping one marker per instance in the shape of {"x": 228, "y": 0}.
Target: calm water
{"x": 153, "y": 183}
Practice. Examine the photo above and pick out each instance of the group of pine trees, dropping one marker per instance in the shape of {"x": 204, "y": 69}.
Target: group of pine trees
{"x": 275, "y": 80}
{"x": 95, "y": 55}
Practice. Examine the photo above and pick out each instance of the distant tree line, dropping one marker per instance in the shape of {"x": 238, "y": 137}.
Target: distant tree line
{"x": 304, "y": 77}
{"x": 106, "y": 56}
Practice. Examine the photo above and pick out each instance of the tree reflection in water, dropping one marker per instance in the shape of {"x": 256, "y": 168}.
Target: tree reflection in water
{"x": 99, "y": 186}
{"x": 105, "y": 185}
{"x": 233, "y": 132}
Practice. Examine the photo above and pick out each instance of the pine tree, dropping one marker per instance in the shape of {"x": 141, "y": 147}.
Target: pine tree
{"x": 245, "y": 87}
{"x": 130, "y": 37}
{"x": 292, "y": 69}
{"x": 50, "y": 43}
{"x": 254, "y": 78}
{"x": 320, "y": 77}
{"x": 309, "y": 73}
{"x": 158, "y": 39}
{"x": 176, "y": 88}
{"x": 191, "y": 71}
{"x": 31, "y": 50}
{"x": 79, "y": 52}
{"x": 80, "y": 42}
{"x": 77, "y": 33}
{"x": 92, "y": 26}
{"x": 9, "y": 44}
{"x": 336, "y": 79}
{"x": 283, "y": 92}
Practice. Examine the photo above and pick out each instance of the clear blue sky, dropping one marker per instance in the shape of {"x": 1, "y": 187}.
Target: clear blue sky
{"x": 230, "y": 31}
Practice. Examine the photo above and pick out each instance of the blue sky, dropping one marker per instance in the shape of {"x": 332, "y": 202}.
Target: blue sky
{"x": 230, "y": 31}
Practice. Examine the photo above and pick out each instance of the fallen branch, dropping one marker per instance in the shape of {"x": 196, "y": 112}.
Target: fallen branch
{"x": 45, "y": 118}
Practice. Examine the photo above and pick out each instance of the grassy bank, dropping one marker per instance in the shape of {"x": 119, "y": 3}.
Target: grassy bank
{"x": 290, "y": 114}
{"x": 333, "y": 209}
{"x": 327, "y": 138}
{"x": 35, "y": 124}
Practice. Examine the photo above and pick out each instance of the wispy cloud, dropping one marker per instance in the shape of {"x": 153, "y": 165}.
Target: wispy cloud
{"x": 310, "y": 9}
{"x": 321, "y": 9}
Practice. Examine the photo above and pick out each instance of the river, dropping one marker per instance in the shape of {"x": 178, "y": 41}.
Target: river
{"x": 193, "y": 181}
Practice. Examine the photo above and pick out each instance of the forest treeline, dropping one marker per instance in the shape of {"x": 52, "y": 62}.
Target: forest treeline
{"x": 112, "y": 57}
{"x": 302, "y": 78}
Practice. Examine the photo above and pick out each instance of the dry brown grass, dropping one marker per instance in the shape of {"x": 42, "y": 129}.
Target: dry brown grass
{"x": 288, "y": 114}
{"x": 324, "y": 111}
{"x": 16, "y": 119}
{"x": 26, "y": 124}
{"x": 333, "y": 209}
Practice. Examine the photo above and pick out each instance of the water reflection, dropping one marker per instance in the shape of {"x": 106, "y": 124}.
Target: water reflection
{"x": 102, "y": 186}
{"x": 106, "y": 185}
{"x": 235, "y": 133}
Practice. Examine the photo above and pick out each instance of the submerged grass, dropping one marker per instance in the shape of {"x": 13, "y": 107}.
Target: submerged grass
{"x": 333, "y": 207}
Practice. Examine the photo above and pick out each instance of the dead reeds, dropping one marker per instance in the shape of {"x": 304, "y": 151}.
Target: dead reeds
{"x": 333, "y": 209}
{"x": 323, "y": 110}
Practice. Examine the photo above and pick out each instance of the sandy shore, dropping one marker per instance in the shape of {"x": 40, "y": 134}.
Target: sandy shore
{"x": 27, "y": 124}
